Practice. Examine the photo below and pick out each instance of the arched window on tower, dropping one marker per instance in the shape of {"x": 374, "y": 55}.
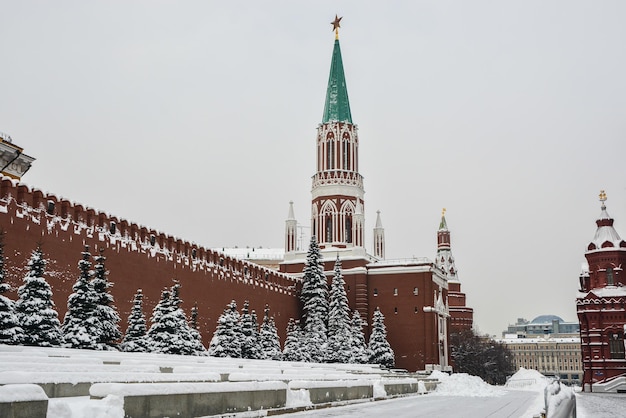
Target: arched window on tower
{"x": 609, "y": 276}
{"x": 329, "y": 228}
{"x": 346, "y": 154}
{"x": 330, "y": 153}
{"x": 349, "y": 229}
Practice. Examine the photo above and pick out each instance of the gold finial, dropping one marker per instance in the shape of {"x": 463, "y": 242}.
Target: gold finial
{"x": 602, "y": 196}
{"x": 336, "y": 25}
{"x": 443, "y": 212}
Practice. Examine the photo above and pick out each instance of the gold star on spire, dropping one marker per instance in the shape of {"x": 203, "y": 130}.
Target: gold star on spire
{"x": 336, "y": 25}
{"x": 602, "y": 196}
{"x": 443, "y": 212}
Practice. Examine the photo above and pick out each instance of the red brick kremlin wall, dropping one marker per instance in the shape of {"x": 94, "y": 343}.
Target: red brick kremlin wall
{"x": 136, "y": 257}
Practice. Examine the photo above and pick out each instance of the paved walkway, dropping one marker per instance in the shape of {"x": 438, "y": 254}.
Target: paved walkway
{"x": 514, "y": 404}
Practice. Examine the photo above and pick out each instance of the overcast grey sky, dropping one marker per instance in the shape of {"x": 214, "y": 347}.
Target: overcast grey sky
{"x": 198, "y": 118}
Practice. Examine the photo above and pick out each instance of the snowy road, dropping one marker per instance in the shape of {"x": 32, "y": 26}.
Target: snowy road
{"x": 513, "y": 404}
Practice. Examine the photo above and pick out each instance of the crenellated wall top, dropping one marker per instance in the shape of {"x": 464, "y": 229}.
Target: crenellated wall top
{"x": 57, "y": 213}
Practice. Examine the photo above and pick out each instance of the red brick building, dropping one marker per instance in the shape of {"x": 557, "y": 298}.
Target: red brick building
{"x": 601, "y": 309}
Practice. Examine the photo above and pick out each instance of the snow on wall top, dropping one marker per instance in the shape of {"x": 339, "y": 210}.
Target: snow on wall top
{"x": 54, "y": 214}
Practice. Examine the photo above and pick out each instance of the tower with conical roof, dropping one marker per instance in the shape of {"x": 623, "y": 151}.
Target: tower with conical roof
{"x": 337, "y": 189}
{"x": 461, "y": 316}
{"x": 601, "y": 308}
{"x": 411, "y": 293}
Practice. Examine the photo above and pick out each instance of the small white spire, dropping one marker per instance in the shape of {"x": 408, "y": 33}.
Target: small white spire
{"x": 291, "y": 215}
{"x": 379, "y": 223}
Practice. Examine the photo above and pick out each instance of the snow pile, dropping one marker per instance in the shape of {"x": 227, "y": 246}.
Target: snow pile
{"x": 297, "y": 398}
{"x": 526, "y": 379}
{"x": 378, "y": 388}
{"x": 21, "y": 393}
{"x": 560, "y": 400}
{"x": 109, "y": 407}
{"x": 462, "y": 384}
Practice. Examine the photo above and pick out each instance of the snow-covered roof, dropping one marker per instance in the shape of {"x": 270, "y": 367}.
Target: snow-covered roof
{"x": 606, "y": 237}
{"x": 606, "y": 292}
{"x": 539, "y": 340}
{"x": 253, "y": 253}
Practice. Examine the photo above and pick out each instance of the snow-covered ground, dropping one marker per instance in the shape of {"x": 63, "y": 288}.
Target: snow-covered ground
{"x": 458, "y": 395}
{"x": 601, "y": 405}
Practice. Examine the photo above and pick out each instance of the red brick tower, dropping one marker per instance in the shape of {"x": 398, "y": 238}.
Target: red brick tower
{"x": 601, "y": 308}
{"x": 411, "y": 293}
{"x": 461, "y": 317}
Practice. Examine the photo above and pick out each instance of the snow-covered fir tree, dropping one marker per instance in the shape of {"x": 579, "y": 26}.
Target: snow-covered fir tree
{"x": 34, "y": 307}
{"x": 10, "y": 331}
{"x": 187, "y": 341}
{"x": 106, "y": 312}
{"x": 228, "y": 338}
{"x": 195, "y": 331}
{"x": 268, "y": 336}
{"x": 250, "y": 347}
{"x": 136, "y": 338}
{"x": 314, "y": 297}
{"x": 359, "y": 353}
{"x": 294, "y": 349}
{"x": 81, "y": 325}
{"x": 379, "y": 350}
{"x": 339, "y": 346}
{"x": 170, "y": 332}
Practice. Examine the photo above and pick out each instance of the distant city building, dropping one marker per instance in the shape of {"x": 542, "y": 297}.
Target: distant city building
{"x": 601, "y": 308}
{"x": 543, "y": 324}
{"x": 548, "y": 355}
{"x": 13, "y": 162}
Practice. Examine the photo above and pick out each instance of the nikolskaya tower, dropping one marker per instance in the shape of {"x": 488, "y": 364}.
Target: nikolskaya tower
{"x": 337, "y": 206}
{"x": 412, "y": 294}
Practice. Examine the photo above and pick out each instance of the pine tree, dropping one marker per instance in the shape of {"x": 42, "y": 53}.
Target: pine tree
{"x": 268, "y": 336}
{"x": 81, "y": 325}
{"x": 228, "y": 338}
{"x": 380, "y": 351}
{"x": 250, "y": 347}
{"x": 186, "y": 341}
{"x": 199, "y": 348}
{"x": 314, "y": 297}
{"x": 35, "y": 309}
{"x": 170, "y": 332}
{"x": 359, "y": 348}
{"x": 294, "y": 349}
{"x": 161, "y": 335}
{"x": 106, "y": 312}
{"x": 10, "y": 331}
{"x": 339, "y": 348}
{"x": 136, "y": 339}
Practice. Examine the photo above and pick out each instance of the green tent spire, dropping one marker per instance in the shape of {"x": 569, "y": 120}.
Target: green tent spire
{"x": 443, "y": 226}
{"x": 337, "y": 107}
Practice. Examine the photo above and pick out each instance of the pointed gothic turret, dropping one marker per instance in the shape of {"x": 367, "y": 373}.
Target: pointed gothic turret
{"x": 337, "y": 192}
{"x": 461, "y": 316}
{"x": 291, "y": 231}
{"x": 606, "y": 254}
{"x": 379, "y": 237}
{"x": 445, "y": 260}
{"x": 337, "y": 107}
